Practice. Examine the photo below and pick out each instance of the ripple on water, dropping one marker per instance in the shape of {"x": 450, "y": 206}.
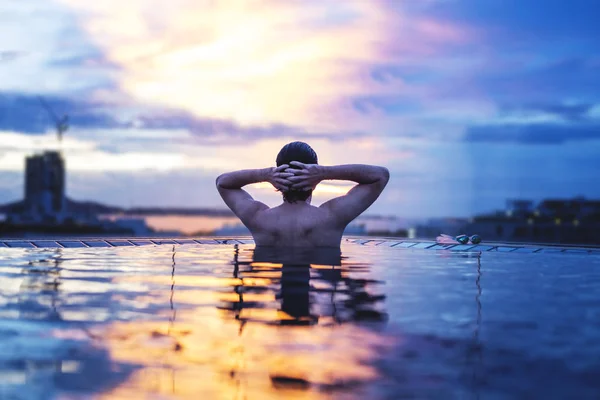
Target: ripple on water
{"x": 230, "y": 321}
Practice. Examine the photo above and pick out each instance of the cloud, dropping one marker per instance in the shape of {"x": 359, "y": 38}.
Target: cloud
{"x": 259, "y": 62}
{"x": 159, "y": 92}
{"x": 169, "y": 150}
{"x": 566, "y": 112}
{"x": 539, "y": 134}
{"x": 119, "y": 129}
{"x": 45, "y": 35}
{"x": 82, "y": 155}
{"x": 215, "y": 131}
{"x": 9, "y": 55}
{"x": 21, "y": 112}
{"x": 553, "y": 80}
{"x": 258, "y": 67}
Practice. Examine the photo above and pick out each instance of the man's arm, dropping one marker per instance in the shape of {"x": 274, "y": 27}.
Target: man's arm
{"x": 238, "y": 200}
{"x": 371, "y": 182}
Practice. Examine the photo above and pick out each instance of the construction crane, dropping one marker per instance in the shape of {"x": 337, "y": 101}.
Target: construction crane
{"x": 61, "y": 124}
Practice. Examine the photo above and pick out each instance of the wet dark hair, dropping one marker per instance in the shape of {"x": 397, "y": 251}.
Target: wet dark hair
{"x": 296, "y": 151}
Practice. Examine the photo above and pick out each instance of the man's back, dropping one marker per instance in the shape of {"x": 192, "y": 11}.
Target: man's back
{"x": 296, "y": 225}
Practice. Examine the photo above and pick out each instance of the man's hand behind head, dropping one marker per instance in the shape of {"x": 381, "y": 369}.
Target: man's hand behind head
{"x": 305, "y": 176}
{"x": 279, "y": 178}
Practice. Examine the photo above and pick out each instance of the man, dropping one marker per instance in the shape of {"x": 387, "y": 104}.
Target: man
{"x": 295, "y": 223}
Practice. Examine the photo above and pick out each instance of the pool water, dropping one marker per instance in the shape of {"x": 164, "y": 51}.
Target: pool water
{"x": 233, "y": 322}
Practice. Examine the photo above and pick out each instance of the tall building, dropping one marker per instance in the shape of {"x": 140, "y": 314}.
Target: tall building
{"x": 45, "y": 187}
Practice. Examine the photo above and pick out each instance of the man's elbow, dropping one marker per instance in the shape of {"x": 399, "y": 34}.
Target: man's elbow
{"x": 219, "y": 182}
{"x": 384, "y": 175}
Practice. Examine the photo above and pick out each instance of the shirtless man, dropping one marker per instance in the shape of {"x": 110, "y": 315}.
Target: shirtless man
{"x": 295, "y": 223}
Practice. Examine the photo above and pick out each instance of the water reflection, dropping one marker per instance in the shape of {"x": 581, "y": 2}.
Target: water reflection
{"x": 39, "y": 291}
{"x": 38, "y": 299}
{"x": 275, "y": 329}
{"x": 222, "y": 321}
{"x": 174, "y": 315}
{"x": 237, "y": 322}
{"x": 252, "y": 322}
{"x": 35, "y": 362}
{"x": 310, "y": 285}
{"x": 475, "y": 350}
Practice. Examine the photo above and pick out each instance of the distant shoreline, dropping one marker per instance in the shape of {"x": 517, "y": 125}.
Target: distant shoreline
{"x": 94, "y": 208}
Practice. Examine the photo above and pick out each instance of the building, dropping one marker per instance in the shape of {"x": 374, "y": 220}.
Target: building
{"x": 567, "y": 221}
{"x": 47, "y": 210}
{"x": 45, "y": 188}
{"x": 518, "y": 207}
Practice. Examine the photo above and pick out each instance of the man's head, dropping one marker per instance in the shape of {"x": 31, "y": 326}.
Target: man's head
{"x": 296, "y": 151}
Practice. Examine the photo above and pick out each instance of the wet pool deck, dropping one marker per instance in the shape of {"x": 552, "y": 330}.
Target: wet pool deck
{"x": 385, "y": 242}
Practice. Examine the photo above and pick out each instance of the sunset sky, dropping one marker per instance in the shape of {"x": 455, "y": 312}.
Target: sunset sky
{"x": 467, "y": 102}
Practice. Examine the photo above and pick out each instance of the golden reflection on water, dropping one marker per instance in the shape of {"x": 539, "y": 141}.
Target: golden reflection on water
{"x": 270, "y": 329}
{"x": 215, "y": 359}
{"x": 209, "y": 322}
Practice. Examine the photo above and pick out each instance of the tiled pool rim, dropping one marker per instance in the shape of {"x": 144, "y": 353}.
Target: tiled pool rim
{"x": 371, "y": 241}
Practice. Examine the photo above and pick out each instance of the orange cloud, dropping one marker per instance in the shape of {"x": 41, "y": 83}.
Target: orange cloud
{"x": 255, "y": 61}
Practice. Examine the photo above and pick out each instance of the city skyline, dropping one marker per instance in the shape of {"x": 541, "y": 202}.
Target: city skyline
{"x": 466, "y": 103}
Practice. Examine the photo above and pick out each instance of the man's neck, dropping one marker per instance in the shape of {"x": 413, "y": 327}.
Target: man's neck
{"x": 298, "y": 203}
